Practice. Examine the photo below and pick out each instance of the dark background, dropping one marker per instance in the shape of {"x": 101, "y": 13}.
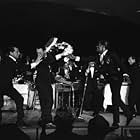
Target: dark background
{"x": 30, "y": 24}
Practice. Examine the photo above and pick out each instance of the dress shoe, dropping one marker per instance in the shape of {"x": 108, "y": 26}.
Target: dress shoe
{"x": 134, "y": 115}
{"x": 115, "y": 125}
{"x": 50, "y": 124}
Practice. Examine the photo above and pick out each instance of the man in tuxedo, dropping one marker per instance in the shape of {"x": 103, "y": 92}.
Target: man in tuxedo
{"x": 8, "y": 71}
{"x": 43, "y": 81}
{"x": 113, "y": 70}
{"x": 44, "y": 88}
{"x": 134, "y": 94}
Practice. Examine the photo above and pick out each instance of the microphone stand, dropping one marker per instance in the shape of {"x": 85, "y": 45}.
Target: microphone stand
{"x": 81, "y": 108}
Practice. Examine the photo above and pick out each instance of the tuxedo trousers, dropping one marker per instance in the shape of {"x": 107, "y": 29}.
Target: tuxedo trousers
{"x": 11, "y": 92}
{"x": 45, "y": 93}
{"x": 115, "y": 86}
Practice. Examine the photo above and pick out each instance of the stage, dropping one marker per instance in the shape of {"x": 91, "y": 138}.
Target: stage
{"x": 79, "y": 125}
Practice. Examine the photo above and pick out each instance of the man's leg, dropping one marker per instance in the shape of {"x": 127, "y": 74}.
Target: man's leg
{"x": 46, "y": 103}
{"x": 115, "y": 86}
{"x": 15, "y": 95}
{"x": 132, "y": 98}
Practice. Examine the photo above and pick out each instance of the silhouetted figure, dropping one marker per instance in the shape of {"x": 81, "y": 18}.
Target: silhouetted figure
{"x": 12, "y": 132}
{"x": 98, "y": 128}
{"x": 64, "y": 125}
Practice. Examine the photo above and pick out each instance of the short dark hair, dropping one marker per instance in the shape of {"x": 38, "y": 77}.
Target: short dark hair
{"x": 105, "y": 43}
{"x": 11, "y": 47}
{"x": 40, "y": 47}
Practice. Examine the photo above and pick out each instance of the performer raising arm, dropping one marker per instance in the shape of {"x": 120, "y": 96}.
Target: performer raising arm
{"x": 43, "y": 81}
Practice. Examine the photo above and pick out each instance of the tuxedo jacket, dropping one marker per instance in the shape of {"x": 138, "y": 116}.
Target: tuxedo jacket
{"x": 8, "y": 70}
{"x": 112, "y": 66}
{"x": 134, "y": 74}
{"x": 44, "y": 76}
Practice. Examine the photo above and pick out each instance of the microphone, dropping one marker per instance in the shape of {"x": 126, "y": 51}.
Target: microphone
{"x": 92, "y": 68}
{"x": 92, "y": 71}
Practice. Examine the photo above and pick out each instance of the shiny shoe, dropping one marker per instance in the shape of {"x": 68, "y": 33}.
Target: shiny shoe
{"x": 134, "y": 115}
{"x": 50, "y": 124}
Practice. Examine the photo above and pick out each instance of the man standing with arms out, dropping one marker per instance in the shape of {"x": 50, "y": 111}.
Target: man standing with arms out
{"x": 43, "y": 81}
{"x": 113, "y": 70}
{"x": 8, "y": 72}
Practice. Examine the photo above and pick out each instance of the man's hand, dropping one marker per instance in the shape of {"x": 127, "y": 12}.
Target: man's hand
{"x": 102, "y": 77}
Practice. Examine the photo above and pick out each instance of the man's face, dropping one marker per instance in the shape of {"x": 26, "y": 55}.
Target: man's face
{"x": 131, "y": 60}
{"x": 40, "y": 52}
{"x": 92, "y": 64}
{"x": 15, "y": 53}
{"x": 100, "y": 48}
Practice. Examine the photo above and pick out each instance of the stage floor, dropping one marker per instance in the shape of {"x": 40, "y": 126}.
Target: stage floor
{"x": 79, "y": 126}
